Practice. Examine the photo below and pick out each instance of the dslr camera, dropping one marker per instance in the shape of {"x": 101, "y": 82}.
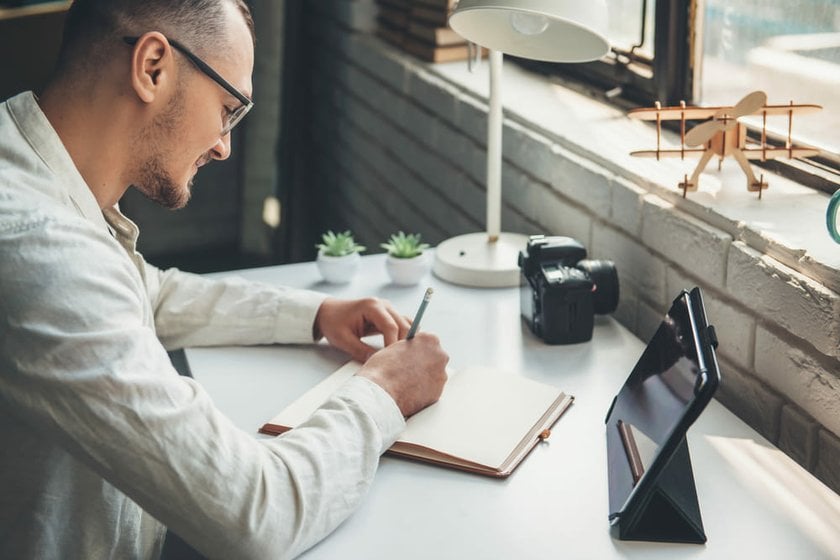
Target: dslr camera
{"x": 561, "y": 291}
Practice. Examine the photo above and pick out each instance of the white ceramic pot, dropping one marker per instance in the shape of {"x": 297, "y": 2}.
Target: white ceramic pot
{"x": 338, "y": 270}
{"x": 407, "y": 272}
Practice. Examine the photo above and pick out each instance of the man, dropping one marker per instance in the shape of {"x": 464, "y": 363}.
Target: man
{"x": 102, "y": 444}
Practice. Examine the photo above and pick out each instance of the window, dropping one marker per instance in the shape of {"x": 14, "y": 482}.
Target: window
{"x": 788, "y": 48}
{"x": 713, "y": 52}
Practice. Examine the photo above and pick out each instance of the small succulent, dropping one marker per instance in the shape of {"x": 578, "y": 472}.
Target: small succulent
{"x": 339, "y": 244}
{"x": 404, "y": 246}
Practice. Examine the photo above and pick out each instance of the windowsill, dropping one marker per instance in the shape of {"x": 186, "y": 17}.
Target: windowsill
{"x": 788, "y": 223}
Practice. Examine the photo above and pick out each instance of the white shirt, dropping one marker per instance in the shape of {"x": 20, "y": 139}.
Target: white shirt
{"x": 101, "y": 442}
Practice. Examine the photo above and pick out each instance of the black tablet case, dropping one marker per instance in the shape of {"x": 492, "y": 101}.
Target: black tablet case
{"x": 669, "y": 511}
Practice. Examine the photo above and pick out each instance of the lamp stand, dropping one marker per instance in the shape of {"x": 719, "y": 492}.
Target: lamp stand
{"x": 485, "y": 260}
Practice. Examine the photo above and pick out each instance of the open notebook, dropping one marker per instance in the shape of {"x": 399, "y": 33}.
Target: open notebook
{"x": 485, "y": 422}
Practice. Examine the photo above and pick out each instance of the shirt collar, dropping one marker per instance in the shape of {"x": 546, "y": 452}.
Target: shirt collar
{"x": 44, "y": 140}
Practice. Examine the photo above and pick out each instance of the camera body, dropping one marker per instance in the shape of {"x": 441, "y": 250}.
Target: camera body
{"x": 561, "y": 291}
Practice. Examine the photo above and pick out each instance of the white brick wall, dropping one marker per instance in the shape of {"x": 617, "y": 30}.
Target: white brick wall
{"x": 403, "y": 148}
{"x": 627, "y": 205}
{"x": 637, "y": 265}
{"x": 684, "y": 240}
{"x": 780, "y": 295}
{"x": 800, "y": 375}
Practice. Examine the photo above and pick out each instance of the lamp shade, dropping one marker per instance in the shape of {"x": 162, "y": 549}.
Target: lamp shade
{"x": 549, "y": 30}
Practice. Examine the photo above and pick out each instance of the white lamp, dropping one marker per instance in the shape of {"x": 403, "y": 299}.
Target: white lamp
{"x": 550, "y": 30}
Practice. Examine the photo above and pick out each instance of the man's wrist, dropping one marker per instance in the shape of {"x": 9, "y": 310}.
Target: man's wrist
{"x": 317, "y": 331}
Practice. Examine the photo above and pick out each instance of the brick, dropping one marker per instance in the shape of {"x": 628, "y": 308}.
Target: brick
{"x": 471, "y": 198}
{"x": 373, "y": 92}
{"x": 626, "y": 206}
{"x": 804, "y": 378}
{"x": 382, "y": 203}
{"x": 796, "y": 303}
{"x": 360, "y": 209}
{"x": 798, "y": 436}
{"x": 828, "y": 457}
{"x": 361, "y": 117}
{"x": 735, "y": 329}
{"x": 444, "y": 178}
{"x": 518, "y": 191}
{"x": 367, "y": 52}
{"x": 735, "y": 326}
{"x": 685, "y": 240}
{"x": 628, "y": 302}
{"x": 418, "y": 158}
{"x": 556, "y": 216}
{"x": 514, "y": 222}
{"x": 435, "y": 94}
{"x": 635, "y": 263}
{"x": 401, "y": 179}
{"x": 471, "y": 118}
{"x": 750, "y": 399}
{"x": 424, "y": 197}
{"x": 677, "y": 279}
{"x": 461, "y": 151}
{"x": 528, "y": 150}
{"x": 420, "y": 124}
{"x": 582, "y": 181}
{"x": 365, "y": 180}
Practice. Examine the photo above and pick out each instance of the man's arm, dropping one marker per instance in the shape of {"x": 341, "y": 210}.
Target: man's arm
{"x": 191, "y": 310}
{"x": 82, "y": 369}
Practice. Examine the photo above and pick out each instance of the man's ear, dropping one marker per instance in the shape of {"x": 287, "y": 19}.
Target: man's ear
{"x": 152, "y": 66}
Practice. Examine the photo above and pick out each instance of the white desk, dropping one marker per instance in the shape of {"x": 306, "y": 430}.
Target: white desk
{"x": 755, "y": 501}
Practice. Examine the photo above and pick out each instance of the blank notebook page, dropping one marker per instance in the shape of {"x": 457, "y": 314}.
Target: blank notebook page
{"x": 482, "y": 415}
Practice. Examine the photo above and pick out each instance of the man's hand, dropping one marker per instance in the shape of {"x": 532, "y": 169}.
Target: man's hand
{"x": 411, "y": 371}
{"x": 344, "y": 322}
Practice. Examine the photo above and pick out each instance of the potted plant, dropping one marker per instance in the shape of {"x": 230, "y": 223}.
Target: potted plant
{"x": 406, "y": 263}
{"x": 338, "y": 257}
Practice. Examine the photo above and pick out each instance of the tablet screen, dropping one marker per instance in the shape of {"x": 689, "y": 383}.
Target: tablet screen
{"x": 657, "y": 401}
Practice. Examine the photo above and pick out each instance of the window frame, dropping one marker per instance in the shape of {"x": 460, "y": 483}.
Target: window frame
{"x": 630, "y": 79}
{"x": 642, "y": 80}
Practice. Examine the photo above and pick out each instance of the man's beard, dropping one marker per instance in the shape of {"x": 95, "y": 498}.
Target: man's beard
{"x": 157, "y": 185}
{"x": 155, "y": 182}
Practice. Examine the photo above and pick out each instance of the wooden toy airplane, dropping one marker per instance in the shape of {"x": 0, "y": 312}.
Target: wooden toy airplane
{"x": 724, "y": 135}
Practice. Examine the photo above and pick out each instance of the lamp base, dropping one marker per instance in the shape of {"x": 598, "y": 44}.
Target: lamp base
{"x": 473, "y": 260}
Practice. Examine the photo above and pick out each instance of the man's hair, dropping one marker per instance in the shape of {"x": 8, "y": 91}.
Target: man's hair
{"x": 93, "y": 27}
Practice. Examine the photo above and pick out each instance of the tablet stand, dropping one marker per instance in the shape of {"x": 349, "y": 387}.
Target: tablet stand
{"x": 669, "y": 511}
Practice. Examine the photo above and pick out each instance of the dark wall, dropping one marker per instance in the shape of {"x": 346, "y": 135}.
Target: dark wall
{"x": 28, "y": 48}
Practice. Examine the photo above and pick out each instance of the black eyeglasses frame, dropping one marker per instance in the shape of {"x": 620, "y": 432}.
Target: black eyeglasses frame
{"x": 235, "y": 116}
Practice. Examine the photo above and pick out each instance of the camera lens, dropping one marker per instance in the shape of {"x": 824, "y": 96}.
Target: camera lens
{"x": 605, "y": 277}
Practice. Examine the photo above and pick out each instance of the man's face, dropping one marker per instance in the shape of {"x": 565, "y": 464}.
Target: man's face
{"x": 188, "y": 132}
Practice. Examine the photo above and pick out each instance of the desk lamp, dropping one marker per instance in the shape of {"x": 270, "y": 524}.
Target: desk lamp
{"x": 550, "y": 30}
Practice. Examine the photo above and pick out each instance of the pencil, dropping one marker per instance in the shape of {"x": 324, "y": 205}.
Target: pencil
{"x": 416, "y": 323}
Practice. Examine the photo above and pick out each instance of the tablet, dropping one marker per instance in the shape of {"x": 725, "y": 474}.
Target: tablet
{"x": 667, "y": 390}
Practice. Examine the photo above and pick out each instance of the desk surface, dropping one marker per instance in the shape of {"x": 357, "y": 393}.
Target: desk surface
{"x": 756, "y": 502}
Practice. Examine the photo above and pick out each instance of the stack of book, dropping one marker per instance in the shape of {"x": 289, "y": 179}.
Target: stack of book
{"x": 420, "y": 27}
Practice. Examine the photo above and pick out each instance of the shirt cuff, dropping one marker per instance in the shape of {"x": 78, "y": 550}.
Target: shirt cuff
{"x": 378, "y": 404}
{"x": 294, "y": 325}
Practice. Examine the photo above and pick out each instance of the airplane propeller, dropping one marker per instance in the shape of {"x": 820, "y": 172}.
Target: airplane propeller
{"x": 725, "y": 119}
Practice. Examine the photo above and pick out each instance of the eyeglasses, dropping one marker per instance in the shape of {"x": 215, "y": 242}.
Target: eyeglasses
{"x": 233, "y": 117}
